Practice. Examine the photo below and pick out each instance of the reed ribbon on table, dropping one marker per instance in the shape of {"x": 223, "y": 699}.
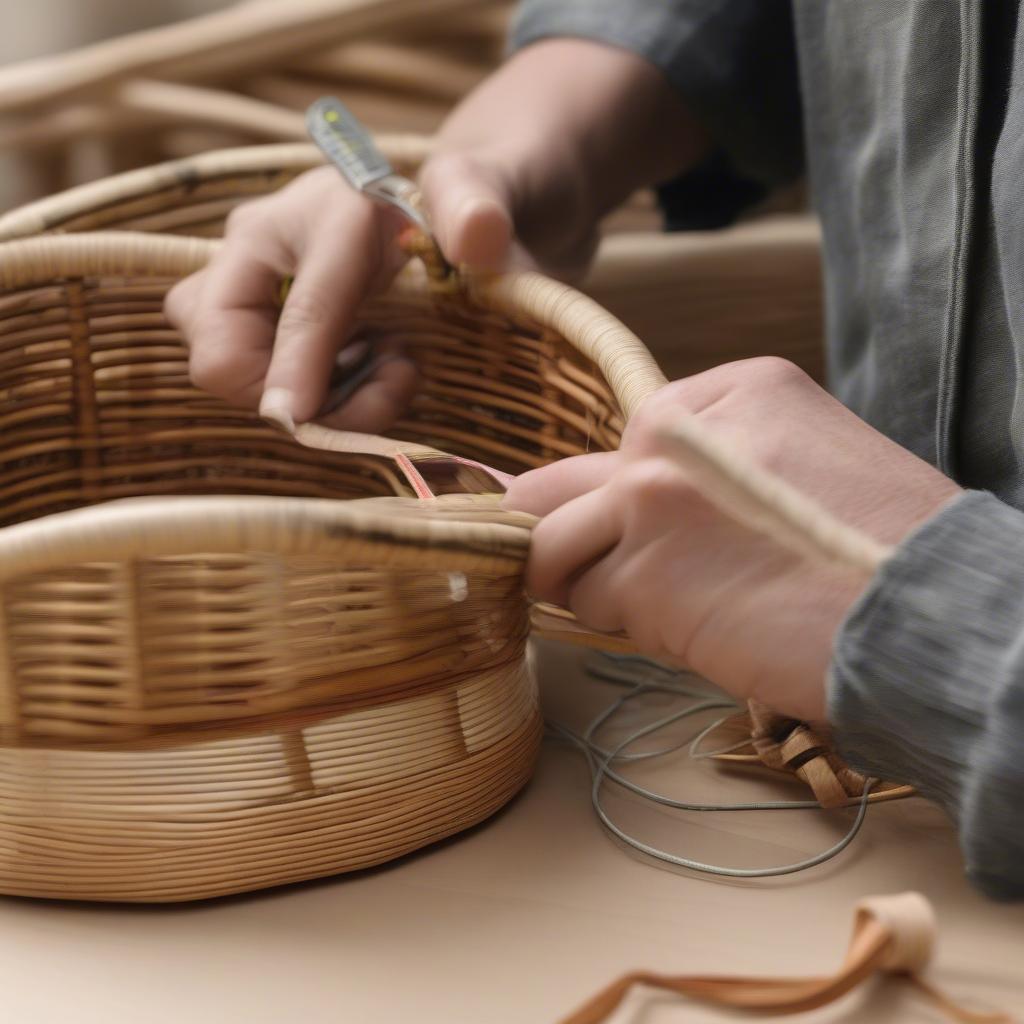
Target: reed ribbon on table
{"x": 892, "y": 935}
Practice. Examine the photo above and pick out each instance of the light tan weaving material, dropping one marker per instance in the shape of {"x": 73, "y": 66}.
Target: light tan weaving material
{"x": 891, "y": 935}
{"x": 760, "y": 736}
{"x": 234, "y": 679}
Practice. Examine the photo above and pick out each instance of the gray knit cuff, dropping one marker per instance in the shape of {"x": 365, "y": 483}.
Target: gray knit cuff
{"x": 927, "y": 680}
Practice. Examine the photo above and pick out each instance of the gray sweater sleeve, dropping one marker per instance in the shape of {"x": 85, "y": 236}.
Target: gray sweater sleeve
{"x": 927, "y": 682}
{"x": 733, "y": 61}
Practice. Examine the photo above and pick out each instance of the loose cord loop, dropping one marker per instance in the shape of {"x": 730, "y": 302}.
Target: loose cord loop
{"x": 891, "y": 935}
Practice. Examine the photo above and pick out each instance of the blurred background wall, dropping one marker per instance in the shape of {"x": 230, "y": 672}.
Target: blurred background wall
{"x": 32, "y": 28}
{"x": 37, "y": 28}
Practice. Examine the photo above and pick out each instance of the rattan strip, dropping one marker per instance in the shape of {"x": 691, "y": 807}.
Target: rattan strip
{"x": 45, "y": 259}
{"x": 407, "y": 67}
{"x": 239, "y": 171}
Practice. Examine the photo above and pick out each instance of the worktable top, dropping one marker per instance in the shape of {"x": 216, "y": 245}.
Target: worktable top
{"x": 523, "y": 917}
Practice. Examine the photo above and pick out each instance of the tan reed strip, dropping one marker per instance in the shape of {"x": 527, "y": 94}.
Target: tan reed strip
{"x": 892, "y": 935}
{"x": 231, "y": 175}
{"x": 405, "y": 67}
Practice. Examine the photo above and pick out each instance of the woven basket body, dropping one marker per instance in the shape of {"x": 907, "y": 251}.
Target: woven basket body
{"x": 230, "y": 661}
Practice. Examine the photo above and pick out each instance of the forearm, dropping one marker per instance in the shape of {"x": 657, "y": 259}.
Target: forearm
{"x": 571, "y": 128}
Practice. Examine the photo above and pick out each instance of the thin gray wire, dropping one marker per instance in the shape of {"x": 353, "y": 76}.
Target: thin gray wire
{"x": 697, "y": 754}
{"x": 661, "y": 723}
{"x": 640, "y": 690}
{"x": 599, "y": 761}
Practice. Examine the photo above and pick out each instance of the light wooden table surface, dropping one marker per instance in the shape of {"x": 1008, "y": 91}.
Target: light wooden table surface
{"x": 521, "y": 918}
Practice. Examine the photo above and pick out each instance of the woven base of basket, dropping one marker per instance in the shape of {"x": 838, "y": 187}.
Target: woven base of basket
{"x": 207, "y": 819}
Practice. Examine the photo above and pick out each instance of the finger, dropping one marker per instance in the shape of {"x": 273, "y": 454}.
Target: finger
{"x": 346, "y": 255}
{"x": 688, "y": 396}
{"x": 470, "y": 211}
{"x": 227, "y": 314}
{"x": 568, "y": 541}
{"x": 381, "y": 401}
{"x": 592, "y": 596}
{"x": 540, "y": 491}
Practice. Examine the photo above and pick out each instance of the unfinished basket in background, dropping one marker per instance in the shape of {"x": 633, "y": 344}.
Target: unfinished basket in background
{"x": 241, "y": 75}
{"x": 233, "y": 679}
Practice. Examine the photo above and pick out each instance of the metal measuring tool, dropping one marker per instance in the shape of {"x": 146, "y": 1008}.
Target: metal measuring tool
{"x": 350, "y": 147}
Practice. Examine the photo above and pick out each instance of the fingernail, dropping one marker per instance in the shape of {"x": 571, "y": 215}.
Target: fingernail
{"x": 475, "y": 221}
{"x": 351, "y": 353}
{"x": 472, "y": 207}
{"x": 276, "y": 405}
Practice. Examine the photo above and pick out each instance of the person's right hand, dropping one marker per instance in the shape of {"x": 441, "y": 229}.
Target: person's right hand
{"x": 521, "y": 173}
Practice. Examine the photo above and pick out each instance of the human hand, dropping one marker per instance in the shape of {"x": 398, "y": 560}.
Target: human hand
{"x": 340, "y": 247}
{"x": 627, "y": 543}
{"x": 536, "y": 152}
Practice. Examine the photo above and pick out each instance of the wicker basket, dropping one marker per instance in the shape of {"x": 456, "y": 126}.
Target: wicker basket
{"x": 233, "y": 679}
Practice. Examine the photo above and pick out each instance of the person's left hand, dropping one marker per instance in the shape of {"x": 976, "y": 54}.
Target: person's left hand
{"x": 627, "y": 543}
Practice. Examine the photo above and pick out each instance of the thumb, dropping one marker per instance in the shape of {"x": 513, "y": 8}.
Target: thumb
{"x": 470, "y": 209}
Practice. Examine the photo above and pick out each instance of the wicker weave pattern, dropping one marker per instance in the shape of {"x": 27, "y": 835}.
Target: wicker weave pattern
{"x": 234, "y": 636}
{"x": 98, "y": 404}
{"x": 101, "y": 408}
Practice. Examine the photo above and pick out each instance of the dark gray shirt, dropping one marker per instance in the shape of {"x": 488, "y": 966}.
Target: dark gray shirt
{"x": 908, "y": 116}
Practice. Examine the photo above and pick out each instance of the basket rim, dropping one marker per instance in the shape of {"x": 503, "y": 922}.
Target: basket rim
{"x": 444, "y": 534}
